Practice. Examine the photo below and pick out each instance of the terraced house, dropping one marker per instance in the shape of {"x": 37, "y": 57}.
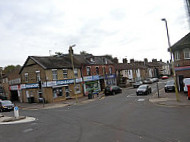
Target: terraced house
{"x": 51, "y": 78}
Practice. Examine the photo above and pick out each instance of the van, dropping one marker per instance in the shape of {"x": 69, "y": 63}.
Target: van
{"x": 186, "y": 82}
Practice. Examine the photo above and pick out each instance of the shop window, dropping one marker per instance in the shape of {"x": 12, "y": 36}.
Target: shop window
{"x": 65, "y": 73}
{"x": 54, "y": 73}
{"x": 186, "y": 53}
{"x": 57, "y": 92}
{"x": 38, "y": 76}
{"x": 77, "y": 89}
{"x": 88, "y": 71}
{"x": 26, "y": 77}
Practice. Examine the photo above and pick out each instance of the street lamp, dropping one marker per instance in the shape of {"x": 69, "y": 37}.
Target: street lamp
{"x": 172, "y": 60}
{"x": 71, "y": 55}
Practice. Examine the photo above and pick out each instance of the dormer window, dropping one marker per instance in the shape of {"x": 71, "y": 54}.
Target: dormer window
{"x": 91, "y": 60}
{"x": 186, "y": 53}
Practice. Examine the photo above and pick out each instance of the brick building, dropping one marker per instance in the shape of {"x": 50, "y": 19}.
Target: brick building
{"x": 181, "y": 53}
{"x": 97, "y": 72}
{"x": 51, "y": 78}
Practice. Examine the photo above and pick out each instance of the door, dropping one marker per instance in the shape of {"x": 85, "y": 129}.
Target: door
{"x": 181, "y": 85}
{"x": 67, "y": 92}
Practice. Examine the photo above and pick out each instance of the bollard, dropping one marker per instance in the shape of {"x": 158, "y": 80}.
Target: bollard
{"x": 16, "y": 112}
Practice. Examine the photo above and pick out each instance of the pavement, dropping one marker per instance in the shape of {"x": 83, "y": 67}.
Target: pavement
{"x": 68, "y": 102}
{"x": 169, "y": 99}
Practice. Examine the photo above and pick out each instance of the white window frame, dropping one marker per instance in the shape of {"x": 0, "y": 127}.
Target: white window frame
{"x": 110, "y": 70}
{"x": 38, "y": 78}
{"x": 65, "y": 73}
{"x": 186, "y": 51}
{"x": 75, "y": 73}
{"x": 55, "y": 77}
{"x": 26, "y": 77}
{"x": 88, "y": 73}
{"x": 177, "y": 55}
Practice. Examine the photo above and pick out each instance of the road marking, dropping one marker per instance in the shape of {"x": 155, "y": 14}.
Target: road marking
{"x": 28, "y": 130}
{"x": 140, "y": 100}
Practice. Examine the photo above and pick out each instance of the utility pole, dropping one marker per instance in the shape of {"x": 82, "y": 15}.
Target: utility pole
{"x": 172, "y": 60}
{"x": 71, "y": 55}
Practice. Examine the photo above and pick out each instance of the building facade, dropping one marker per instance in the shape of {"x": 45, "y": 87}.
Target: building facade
{"x": 50, "y": 78}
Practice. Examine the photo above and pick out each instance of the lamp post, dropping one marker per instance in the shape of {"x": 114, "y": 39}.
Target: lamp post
{"x": 71, "y": 55}
{"x": 172, "y": 59}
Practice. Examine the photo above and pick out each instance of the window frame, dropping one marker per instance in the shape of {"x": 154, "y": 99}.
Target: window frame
{"x": 65, "y": 74}
{"x": 97, "y": 70}
{"x": 38, "y": 77}
{"x": 185, "y": 51}
{"x": 177, "y": 55}
{"x": 54, "y": 76}
{"x": 26, "y": 77}
{"x": 88, "y": 72}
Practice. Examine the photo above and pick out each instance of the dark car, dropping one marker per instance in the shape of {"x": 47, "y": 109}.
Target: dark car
{"x": 170, "y": 86}
{"x": 147, "y": 81}
{"x": 144, "y": 90}
{"x": 137, "y": 84}
{"x": 112, "y": 90}
{"x": 6, "y": 105}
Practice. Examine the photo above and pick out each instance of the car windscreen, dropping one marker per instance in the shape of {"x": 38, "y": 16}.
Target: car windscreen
{"x": 143, "y": 87}
{"x": 170, "y": 82}
{"x": 6, "y": 102}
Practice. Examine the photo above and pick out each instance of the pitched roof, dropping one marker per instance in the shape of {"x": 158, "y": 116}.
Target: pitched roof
{"x": 53, "y": 62}
{"x": 127, "y": 66}
{"x": 182, "y": 43}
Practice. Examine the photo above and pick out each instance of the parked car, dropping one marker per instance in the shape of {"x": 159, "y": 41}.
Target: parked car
{"x": 137, "y": 84}
{"x": 170, "y": 86}
{"x": 186, "y": 82}
{"x": 164, "y": 77}
{"x": 112, "y": 90}
{"x": 144, "y": 90}
{"x": 155, "y": 79}
{"x": 6, "y": 105}
{"x": 147, "y": 81}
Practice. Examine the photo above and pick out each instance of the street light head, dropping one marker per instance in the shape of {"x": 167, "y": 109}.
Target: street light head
{"x": 72, "y": 45}
{"x": 163, "y": 19}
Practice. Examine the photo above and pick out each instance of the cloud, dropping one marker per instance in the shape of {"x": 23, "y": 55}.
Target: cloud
{"x": 118, "y": 27}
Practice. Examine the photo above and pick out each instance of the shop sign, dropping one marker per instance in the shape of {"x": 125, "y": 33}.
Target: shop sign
{"x": 14, "y": 87}
{"x": 33, "y": 85}
{"x": 110, "y": 76}
{"x": 91, "y": 78}
{"x": 64, "y": 82}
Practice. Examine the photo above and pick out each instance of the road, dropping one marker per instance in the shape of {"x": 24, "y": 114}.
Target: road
{"x": 121, "y": 118}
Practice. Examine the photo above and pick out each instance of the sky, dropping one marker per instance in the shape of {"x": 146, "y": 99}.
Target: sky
{"x": 121, "y": 28}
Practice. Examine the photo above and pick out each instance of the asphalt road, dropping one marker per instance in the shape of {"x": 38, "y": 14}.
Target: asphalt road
{"x": 121, "y": 118}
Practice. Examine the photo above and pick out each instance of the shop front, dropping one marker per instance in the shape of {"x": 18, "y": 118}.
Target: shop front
{"x": 110, "y": 79}
{"x": 91, "y": 84}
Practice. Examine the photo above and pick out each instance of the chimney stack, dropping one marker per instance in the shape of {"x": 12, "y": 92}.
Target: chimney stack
{"x": 132, "y": 60}
{"x": 125, "y": 60}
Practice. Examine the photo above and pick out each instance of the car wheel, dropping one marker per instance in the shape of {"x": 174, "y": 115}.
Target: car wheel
{"x": 137, "y": 94}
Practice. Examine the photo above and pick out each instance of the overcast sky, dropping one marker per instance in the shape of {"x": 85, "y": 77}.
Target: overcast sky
{"x": 122, "y": 28}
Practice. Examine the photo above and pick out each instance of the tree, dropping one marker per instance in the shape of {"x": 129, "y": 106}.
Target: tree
{"x": 83, "y": 53}
{"x": 58, "y": 53}
{"x": 10, "y": 68}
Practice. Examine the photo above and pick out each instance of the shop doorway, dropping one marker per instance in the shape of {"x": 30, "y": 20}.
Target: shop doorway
{"x": 67, "y": 92}
{"x": 102, "y": 84}
{"x": 14, "y": 95}
{"x": 181, "y": 85}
